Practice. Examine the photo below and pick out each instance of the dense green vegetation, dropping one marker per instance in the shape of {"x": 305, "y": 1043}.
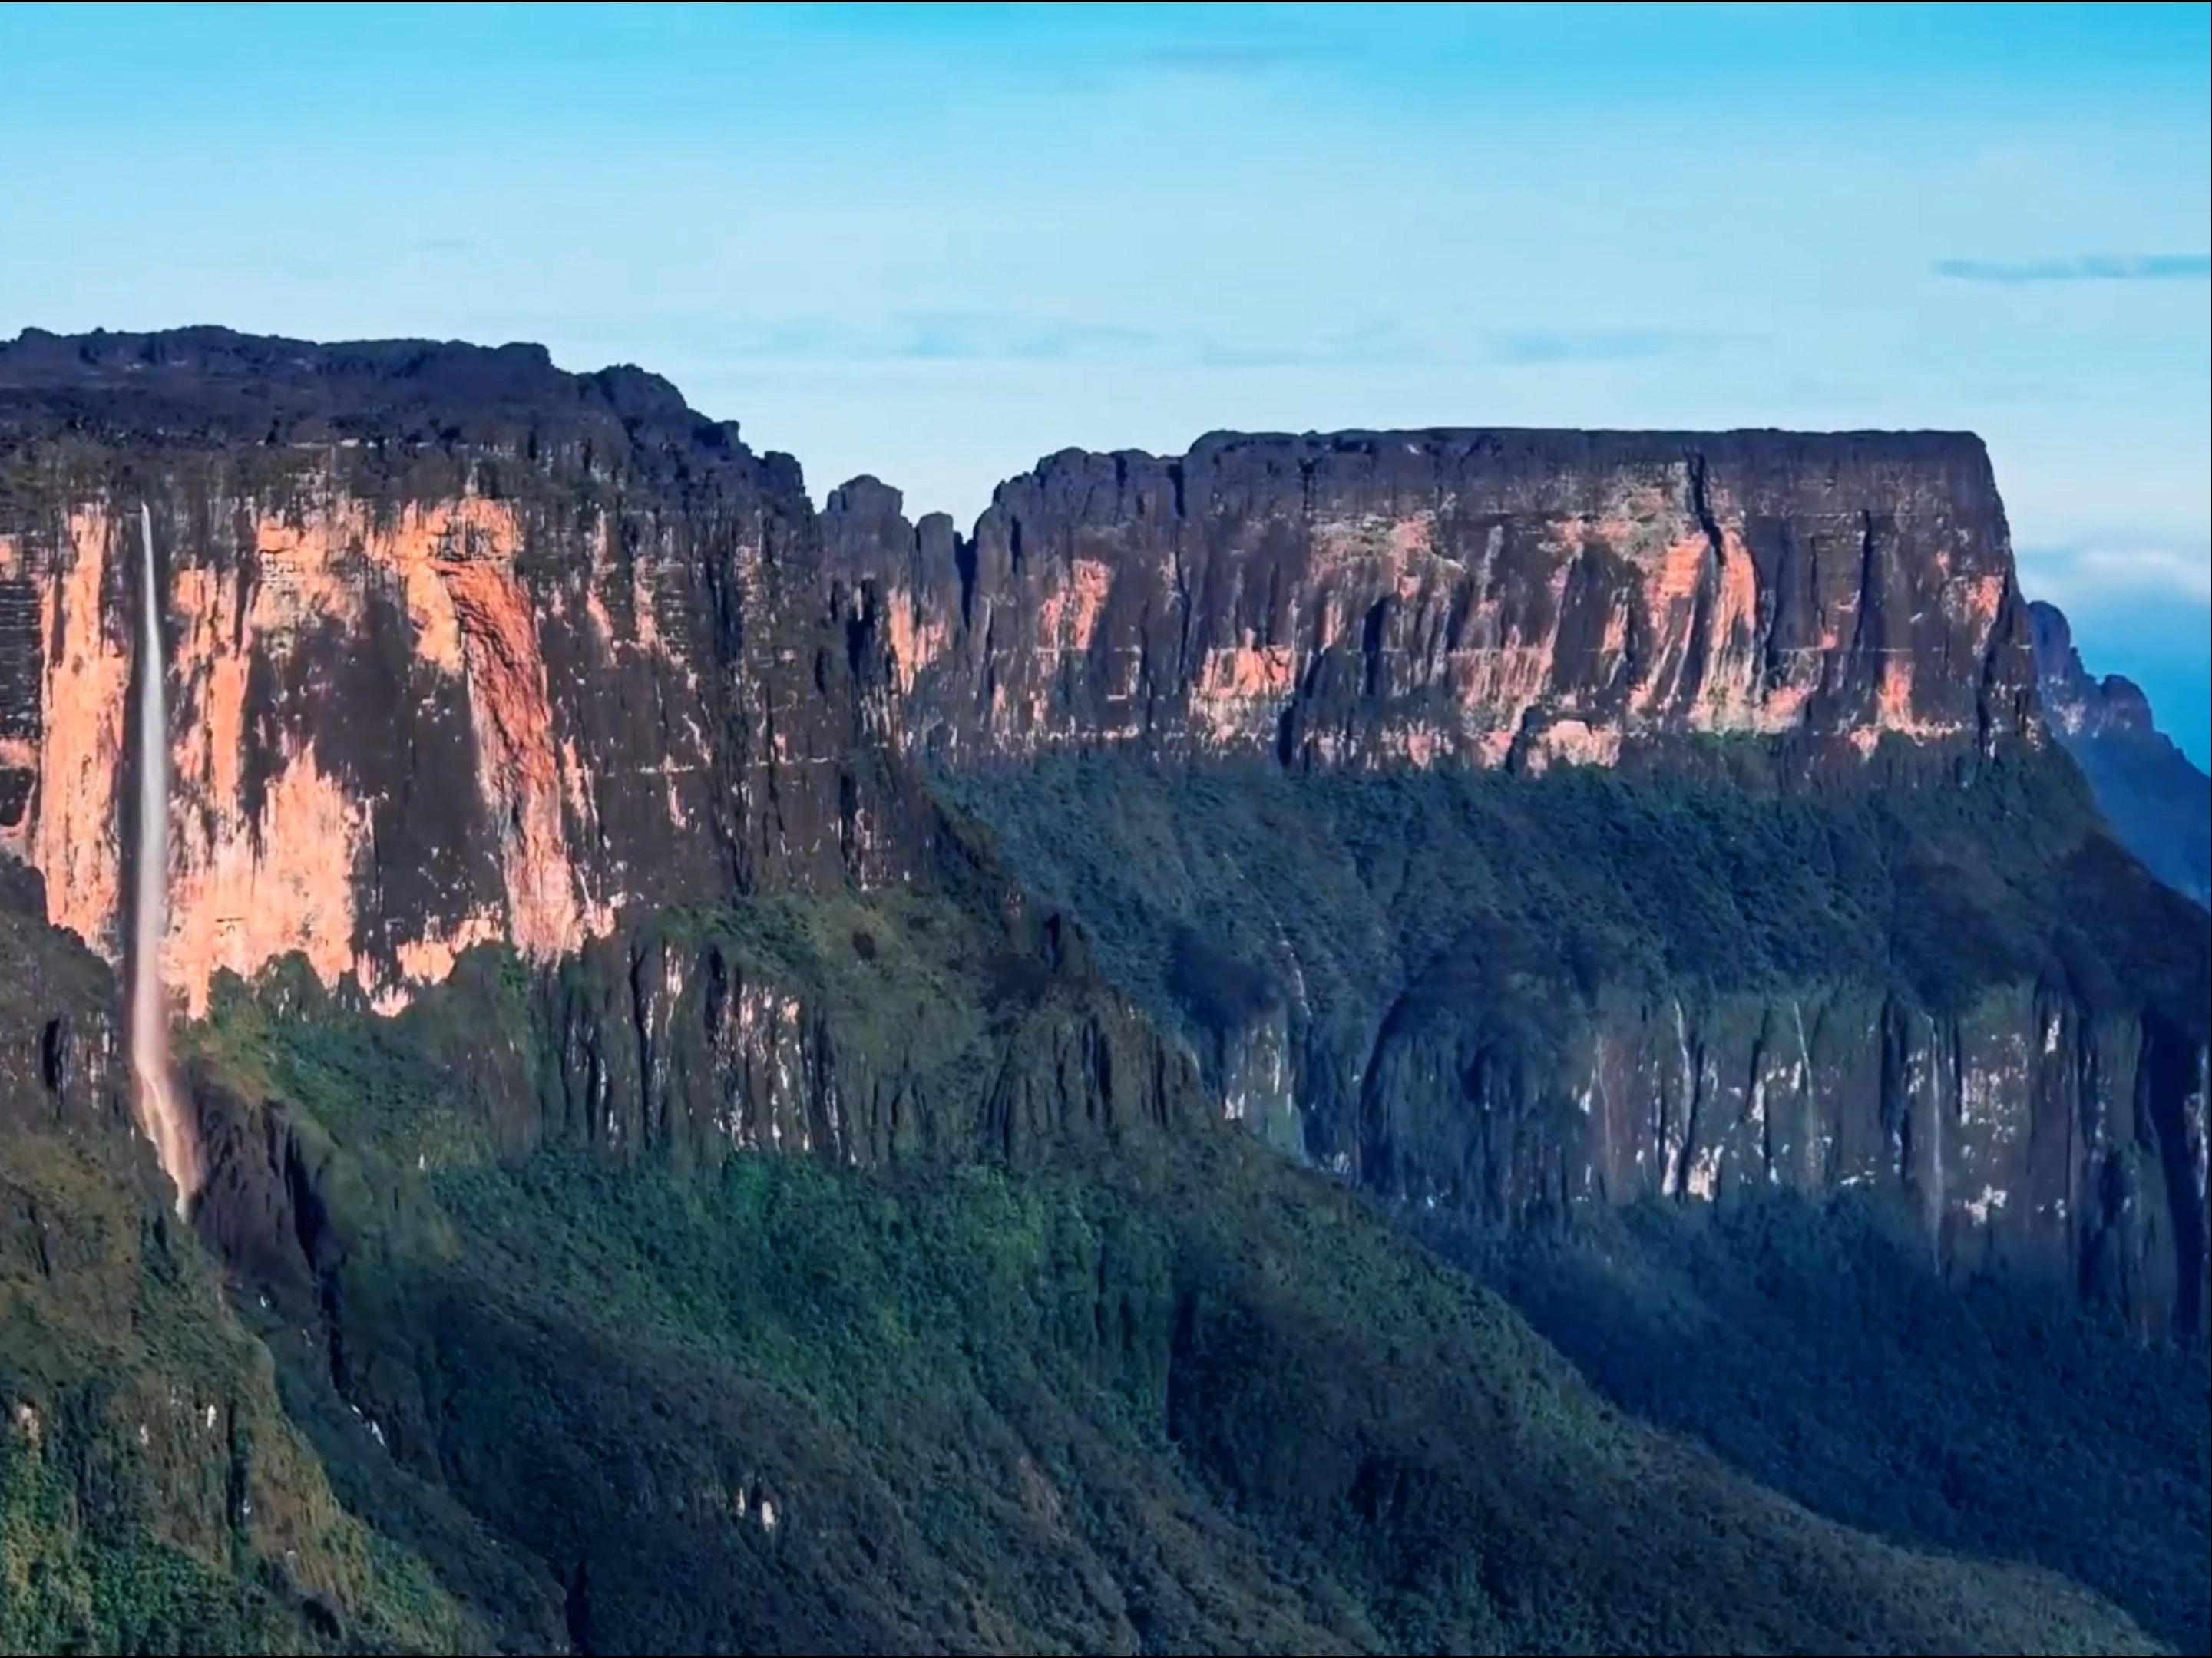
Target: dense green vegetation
{"x": 1812, "y": 1351}
{"x": 153, "y": 1498}
{"x": 1582, "y": 879}
{"x": 1157, "y": 1392}
{"x": 1814, "y": 1348}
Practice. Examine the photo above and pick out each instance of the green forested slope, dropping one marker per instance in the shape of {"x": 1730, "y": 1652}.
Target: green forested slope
{"x": 1151, "y": 1390}
{"x": 1814, "y": 1347}
{"x": 1118, "y": 1383}
{"x": 153, "y": 1496}
{"x": 1582, "y": 879}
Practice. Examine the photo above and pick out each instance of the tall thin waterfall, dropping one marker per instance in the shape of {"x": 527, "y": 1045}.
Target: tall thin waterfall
{"x": 160, "y": 1112}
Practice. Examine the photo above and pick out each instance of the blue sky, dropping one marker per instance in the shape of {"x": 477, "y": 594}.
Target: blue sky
{"x": 933, "y": 242}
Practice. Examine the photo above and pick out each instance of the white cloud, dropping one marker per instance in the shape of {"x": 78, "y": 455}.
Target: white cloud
{"x": 2067, "y": 574}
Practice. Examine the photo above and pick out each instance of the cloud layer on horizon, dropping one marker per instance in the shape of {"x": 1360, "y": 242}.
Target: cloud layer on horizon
{"x": 2068, "y": 575}
{"x": 2082, "y": 268}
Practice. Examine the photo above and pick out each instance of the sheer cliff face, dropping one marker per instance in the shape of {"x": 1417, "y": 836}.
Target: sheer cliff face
{"x": 1482, "y": 598}
{"x": 2024, "y": 1130}
{"x": 435, "y": 678}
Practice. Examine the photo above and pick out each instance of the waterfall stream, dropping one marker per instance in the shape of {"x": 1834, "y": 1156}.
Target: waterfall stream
{"x": 160, "y": 1112}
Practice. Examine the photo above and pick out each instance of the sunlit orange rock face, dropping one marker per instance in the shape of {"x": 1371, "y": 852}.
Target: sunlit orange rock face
{"x": 492, "y": 685}
{"x": 65, "y": 717}
{"x": 275, "y": 818}
{"x": 1480, "y": 599}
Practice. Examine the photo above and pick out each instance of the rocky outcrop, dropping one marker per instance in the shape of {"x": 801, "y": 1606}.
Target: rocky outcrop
{"x": 690, "y": 1045}
{"x": 2158, "y": 803}
{"x": 61, "y": 1060}
{"x": 2076, "y": 702}
{"x": 1522, "y": 598}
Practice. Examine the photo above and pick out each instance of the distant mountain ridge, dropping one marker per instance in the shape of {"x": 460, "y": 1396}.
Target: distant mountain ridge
{"x": 2158, "y": 802}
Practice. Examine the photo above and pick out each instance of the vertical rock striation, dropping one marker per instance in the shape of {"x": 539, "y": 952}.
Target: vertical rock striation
{"x": 467, "y": 648}
{"x": 1522, "y": 598}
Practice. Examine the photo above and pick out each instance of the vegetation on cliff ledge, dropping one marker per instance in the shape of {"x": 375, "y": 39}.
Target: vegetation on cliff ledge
{"x": 1812, "y": 1346}
{"x": 1587, "y": 878}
